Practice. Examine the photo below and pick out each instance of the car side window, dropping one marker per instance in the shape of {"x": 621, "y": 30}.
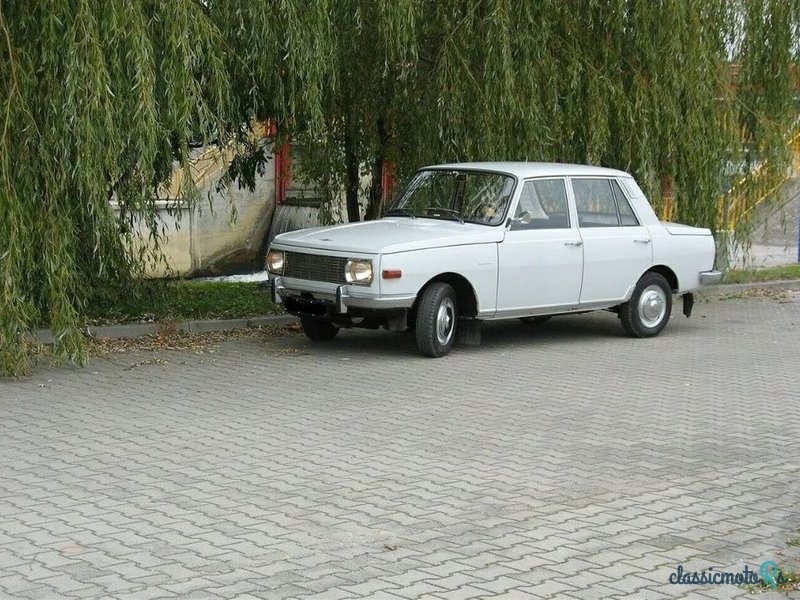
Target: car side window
{"x": 626, "y": 215}
{"x": 542, "y": 205}
{"x": 595, "y": 203}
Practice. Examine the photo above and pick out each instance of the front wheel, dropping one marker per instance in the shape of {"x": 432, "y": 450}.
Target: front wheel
{"x": 437, "y": 315}
{"x": 318, "y": 330}
{"x": 650, "y": 306}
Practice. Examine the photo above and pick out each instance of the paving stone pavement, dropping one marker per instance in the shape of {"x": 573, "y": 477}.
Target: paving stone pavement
{"x": 562, "y": 460}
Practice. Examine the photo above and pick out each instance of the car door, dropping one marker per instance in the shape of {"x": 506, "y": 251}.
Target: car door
{"x": 617, "y": 249}
{"x": 541, "y": 257}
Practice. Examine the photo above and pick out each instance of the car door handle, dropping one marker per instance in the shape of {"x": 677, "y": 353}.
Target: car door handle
{"x": 578, "y": 243}
{"x": 642, "y": 240}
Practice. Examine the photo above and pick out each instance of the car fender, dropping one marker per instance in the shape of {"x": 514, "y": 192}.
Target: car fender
{"x": 476, "y": 263}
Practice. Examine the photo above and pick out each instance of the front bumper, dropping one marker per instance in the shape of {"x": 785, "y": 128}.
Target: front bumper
{"x": 337, "y": 301}
{"x": 710, "y": 277}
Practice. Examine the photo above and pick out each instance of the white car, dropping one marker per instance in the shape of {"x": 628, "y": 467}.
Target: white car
{"x": 473, "y": 242}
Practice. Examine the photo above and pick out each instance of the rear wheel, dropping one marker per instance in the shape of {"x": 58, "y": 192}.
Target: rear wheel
{"x": 318, "y": 330}
{"x": 650, "y": 306}
{"x": 437, "y": 315}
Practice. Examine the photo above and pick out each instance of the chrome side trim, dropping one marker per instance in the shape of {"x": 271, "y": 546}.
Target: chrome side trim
{"x": 559, "y": 309}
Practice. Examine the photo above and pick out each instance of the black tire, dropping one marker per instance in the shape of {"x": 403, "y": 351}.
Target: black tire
{"x": 437, "y": 306}
{"x": 650, "y": 306}
{"x": 536, "y": 320}
{"x": 318, "y": 330}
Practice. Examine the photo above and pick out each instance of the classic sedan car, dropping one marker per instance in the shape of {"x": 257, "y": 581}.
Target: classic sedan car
{"x": 473, "y": 242}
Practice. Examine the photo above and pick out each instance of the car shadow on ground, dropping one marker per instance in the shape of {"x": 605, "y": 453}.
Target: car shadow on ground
{"x": 496, "y": 336}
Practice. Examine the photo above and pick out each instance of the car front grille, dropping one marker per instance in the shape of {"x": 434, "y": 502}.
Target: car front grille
{"x": 315, "y": 267}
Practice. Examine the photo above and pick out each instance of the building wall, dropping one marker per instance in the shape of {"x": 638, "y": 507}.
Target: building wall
{"x": 212, "y": 239}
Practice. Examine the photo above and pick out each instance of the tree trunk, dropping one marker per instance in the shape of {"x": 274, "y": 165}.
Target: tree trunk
{"x": 375, "y": 205}
{"x": 376, "y": 199}
{"x": 352, "y": 179}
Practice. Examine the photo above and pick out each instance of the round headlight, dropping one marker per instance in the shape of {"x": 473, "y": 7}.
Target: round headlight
{"x": 358, "y": 272}
{"x": 275, "y": 261}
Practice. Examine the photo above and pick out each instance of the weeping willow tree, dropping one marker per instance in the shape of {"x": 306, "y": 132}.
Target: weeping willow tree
{"x": 765, "y": 38}
{"x": 98, "y": 99}
{"x": 101, "y": 100}
{"x": 634, "y": 84}
{"x": 374, "y": 54}
{"x": 640, "y": 85}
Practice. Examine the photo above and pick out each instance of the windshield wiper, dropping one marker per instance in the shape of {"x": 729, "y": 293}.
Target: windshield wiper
{"x": 399, "y": 211}
{"x": 450, "y": 212}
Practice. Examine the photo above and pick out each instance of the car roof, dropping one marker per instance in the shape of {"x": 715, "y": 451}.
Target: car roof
{"x": 532, "y": 169}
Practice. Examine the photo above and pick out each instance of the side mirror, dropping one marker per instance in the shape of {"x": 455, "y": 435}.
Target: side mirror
{"x": 524, "y": 218}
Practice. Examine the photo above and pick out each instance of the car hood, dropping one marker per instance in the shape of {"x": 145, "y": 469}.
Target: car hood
{"x": 390, "y": 235}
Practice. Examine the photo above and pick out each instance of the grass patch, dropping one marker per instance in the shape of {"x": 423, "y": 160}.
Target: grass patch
{"x": 790, "y": 582}
{"x": 765, "y": 274}
{"x": 183, "y": 300}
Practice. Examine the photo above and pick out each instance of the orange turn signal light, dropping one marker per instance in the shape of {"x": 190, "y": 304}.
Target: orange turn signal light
{"x": 391, "y": 274}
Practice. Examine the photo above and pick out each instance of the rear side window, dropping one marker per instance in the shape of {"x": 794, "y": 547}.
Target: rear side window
{"x": 595, "y": 203}
{"x": 626, "y": 215}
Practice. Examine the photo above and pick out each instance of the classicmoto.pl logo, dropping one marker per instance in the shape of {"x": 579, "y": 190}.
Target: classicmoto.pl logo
{"x": 769, "y": 573}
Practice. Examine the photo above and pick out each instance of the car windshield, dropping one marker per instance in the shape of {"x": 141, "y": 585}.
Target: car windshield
{"x": 473, "y": 196}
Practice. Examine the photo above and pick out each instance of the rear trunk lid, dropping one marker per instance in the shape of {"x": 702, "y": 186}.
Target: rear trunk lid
{"x": 680, "y": 229}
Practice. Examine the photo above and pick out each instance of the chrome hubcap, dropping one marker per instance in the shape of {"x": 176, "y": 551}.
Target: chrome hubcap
{"x": 652, "y": 306}
{"x": 445, "y": 321}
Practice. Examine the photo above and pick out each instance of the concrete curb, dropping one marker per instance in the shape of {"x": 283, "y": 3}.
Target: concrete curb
{"x": 131, "y": 330}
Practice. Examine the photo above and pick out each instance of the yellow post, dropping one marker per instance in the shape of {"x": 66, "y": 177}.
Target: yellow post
{"x": 669, "y": 206}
